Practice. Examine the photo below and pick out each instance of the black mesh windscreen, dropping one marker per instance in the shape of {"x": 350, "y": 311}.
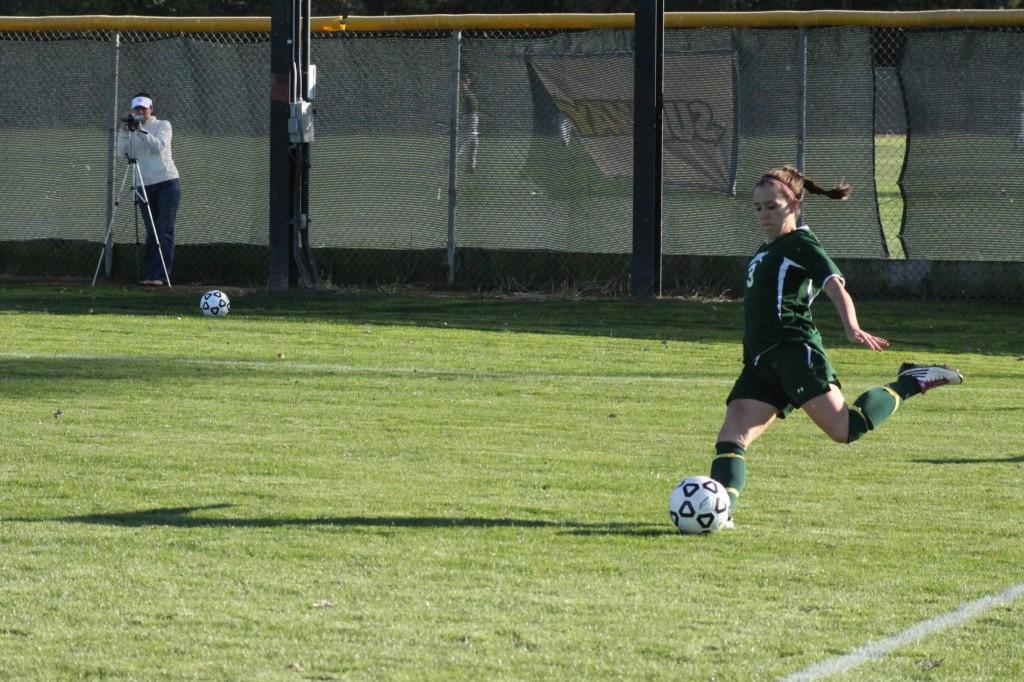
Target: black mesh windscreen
{"x": 534, "y": 130}
{"x": 217, "y": 98}
{"x": 53, "y": 145}
{"x": 552, "y": 145}
{"x": 963, "y": 181}
{"x": 839, "y": 141}
{"x": 547, "y": 164}
{"x": 380, "y": 159}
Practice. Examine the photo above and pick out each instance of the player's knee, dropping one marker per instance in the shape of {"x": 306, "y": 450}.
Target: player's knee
{"x": 741, "y": 438}
{"x": 835, "y": 428}
{"x": 839, "y": 434}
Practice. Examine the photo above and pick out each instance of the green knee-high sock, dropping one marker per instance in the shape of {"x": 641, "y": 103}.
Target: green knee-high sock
{"x": 875, "y": 406}
{"x": 730, "y": 469}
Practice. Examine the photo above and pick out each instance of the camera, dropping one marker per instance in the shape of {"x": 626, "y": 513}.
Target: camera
{"x": 132, "y": 121}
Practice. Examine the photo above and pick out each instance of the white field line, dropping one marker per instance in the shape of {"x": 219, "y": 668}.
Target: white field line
{"x": 881, "y": 648}
{"x": 334, "y": 368}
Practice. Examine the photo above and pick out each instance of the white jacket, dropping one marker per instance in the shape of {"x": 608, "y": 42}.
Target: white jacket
{"x": 152, "y": 148}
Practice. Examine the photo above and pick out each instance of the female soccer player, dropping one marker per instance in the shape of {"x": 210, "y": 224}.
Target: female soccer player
{"x": 784, "y": 363}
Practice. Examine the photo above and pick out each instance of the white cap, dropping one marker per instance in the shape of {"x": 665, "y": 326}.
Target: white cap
{"x": 142, "y": 102}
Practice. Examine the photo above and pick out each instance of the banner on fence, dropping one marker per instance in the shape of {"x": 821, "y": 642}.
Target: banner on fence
{"x": 593, "y": 100}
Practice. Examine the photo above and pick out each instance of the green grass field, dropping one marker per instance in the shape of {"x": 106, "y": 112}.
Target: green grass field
{"x": 344, "y": 486}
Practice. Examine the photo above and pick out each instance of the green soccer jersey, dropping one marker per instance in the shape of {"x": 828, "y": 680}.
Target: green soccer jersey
{"x": 783, "y": 278}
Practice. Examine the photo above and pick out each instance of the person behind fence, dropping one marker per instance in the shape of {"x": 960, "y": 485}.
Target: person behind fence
{"x": 469, "y": 124}
{"x": 785, "y": 366}
{"x": 565, "y": 128}
{"x": 149, "y": 139}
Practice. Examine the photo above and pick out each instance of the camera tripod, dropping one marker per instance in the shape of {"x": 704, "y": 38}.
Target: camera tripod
{"x": 141, "y": 199}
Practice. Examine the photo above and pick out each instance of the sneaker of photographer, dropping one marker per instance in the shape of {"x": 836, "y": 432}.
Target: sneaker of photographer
{"x": 930, "y": 376}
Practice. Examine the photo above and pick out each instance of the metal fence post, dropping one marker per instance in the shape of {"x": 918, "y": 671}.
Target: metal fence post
{"x": 108, "y": 257}
{"x": 801, "y": 96}
{"x": 648, "y": 55}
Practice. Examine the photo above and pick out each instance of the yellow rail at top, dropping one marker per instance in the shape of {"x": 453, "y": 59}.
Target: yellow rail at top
{"x": 467, "y": 22}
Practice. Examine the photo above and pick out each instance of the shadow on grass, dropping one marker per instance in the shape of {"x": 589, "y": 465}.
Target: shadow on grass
{"x": 939, "y": 327}
{"x": 179, "y": 517}
{"x": 979, "y": 460}
{"x": 663, "y": 319}
{"x": 64, "y": 379}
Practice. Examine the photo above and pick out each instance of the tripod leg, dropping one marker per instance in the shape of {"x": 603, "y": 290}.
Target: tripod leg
{"x": 152, "y": 227}
{"x": 108, "y": 237}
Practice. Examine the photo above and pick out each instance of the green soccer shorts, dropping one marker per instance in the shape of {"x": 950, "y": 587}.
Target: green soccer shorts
{"x": 786, "y": 376}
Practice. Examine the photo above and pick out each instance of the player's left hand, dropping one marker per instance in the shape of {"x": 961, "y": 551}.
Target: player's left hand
{"x": 875, "y": 343}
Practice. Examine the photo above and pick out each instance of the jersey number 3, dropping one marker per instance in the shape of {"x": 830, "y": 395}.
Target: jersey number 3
{"x": 754, "y": 262}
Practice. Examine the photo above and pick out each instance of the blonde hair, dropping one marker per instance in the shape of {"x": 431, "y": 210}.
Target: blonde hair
{"x": 795, "y": 183}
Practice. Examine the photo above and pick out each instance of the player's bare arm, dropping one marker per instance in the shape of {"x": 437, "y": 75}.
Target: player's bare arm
{"x": 836, "y": 291}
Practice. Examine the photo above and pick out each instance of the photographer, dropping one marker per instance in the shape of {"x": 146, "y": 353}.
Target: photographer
{"x": 149, "y": 140}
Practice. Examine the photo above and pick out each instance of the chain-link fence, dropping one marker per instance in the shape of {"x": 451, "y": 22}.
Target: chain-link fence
{"x": 502, "y": 158}
{"x": 63, "y": 97}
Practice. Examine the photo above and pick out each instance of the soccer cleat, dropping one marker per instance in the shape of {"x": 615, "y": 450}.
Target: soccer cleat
{"x": 930, "y": 376}
{"x": 729, "y": 525}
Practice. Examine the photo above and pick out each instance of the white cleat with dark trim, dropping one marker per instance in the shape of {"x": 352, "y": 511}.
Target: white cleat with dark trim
{"x": 931, "y": 376}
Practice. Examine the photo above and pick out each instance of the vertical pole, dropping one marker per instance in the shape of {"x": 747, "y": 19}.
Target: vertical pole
{"x": 801, "y": 95}
{"x": 310, "y": 275}
{"x": 305, "y": 254}
{"x": 302, "y": 264}
{"x": 453, "y": 151}
{"x": 647, "y": 137}
{"x": 280, "y": 242}
{"x": 115, "y": 67}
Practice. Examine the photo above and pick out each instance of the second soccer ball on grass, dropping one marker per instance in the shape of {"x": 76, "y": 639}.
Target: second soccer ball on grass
{"x": 215, "y": 304}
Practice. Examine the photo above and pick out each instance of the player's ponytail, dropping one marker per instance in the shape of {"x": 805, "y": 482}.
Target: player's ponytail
{"x": 796, "y": 183}
{"x": 842, "y": 191}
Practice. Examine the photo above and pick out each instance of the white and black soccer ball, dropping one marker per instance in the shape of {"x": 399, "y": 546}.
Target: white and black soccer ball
{"x": 698, "y": 505}
{"x": 215, "y": 304}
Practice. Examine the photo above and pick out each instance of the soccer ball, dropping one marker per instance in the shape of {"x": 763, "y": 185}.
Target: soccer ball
{"x": 215, "y": 304}
{"x": 699, "y": 505}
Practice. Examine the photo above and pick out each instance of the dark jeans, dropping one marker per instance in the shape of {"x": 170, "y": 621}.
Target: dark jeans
{"x": 164, "y": 198}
